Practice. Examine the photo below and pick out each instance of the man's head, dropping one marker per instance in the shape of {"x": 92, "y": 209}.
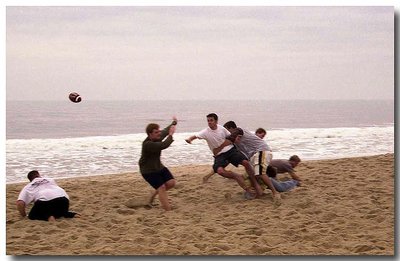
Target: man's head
{"x": 294, "y": 160}
{"x": 271, "y": 171}
{"x": 230, "y": 126}
{"x": 212, "y": 120}
{"x": 260, "y": 132}
{"x": 153, "y": 131}
{"x": 33, "y": 174}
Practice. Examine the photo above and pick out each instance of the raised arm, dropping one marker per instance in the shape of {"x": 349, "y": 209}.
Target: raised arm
{"x": 165, "y": 131}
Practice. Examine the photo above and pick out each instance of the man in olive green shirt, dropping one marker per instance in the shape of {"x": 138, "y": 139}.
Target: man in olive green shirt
{"x": 151, "y": 168}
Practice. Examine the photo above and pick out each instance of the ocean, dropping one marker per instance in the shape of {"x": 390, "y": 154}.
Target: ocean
{"x": 62, "y": 139}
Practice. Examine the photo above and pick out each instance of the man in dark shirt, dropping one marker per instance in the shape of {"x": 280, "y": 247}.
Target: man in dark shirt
{"x": 151, "y": 168}
{"x": 283, "y": 166}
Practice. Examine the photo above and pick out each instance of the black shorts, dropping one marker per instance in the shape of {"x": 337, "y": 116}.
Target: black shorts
{"x": 57, "y": 208}
{"x": 232, "y": 156}
{"x": 158, "y": 178}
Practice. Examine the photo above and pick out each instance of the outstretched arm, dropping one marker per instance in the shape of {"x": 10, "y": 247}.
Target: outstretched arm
{"x": 190, "y": 139}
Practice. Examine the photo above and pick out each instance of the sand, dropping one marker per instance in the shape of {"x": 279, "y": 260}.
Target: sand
{"x": 345, "y": 207}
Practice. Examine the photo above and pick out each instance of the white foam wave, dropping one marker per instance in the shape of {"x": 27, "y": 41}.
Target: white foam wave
{"x": 71, "y": 157}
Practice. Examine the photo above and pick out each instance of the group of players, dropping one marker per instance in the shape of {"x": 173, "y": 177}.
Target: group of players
{"x": 229, "y": 145}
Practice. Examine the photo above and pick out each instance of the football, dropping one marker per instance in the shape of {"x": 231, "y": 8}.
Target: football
{"x": 75, "y": 97}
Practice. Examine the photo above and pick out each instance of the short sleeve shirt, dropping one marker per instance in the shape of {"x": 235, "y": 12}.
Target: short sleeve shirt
{"x": 250, "y": 144}
{"x": 215, "y": 138}
{"x": 43, "y": 189}
{"x": 282, "y": 166}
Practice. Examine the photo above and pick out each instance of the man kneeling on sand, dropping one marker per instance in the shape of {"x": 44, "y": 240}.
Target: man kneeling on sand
{"x": 50, "y": 200}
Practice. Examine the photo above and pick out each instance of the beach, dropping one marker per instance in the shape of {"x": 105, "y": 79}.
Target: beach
{"x": 344, "y": 207}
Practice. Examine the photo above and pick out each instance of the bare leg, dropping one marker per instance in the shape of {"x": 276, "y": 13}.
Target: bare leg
{"x": 168, "y": 185}
{"x": 269, "y": 184}
{"x": 51, "y": 219}
{"x": 252, "y": 177}
{"x": 206, "y": 177}
{"x": 231, "y": 175}
{"x": 163, "y": 197}
{"x": 275, "y": 194}
{"x": 152, "y": 196}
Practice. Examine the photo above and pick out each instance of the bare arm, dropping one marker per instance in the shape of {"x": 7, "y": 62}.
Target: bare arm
{"x": 294, "y": 176}
{"x": 190, "y": 139}
{"x": 223, "y": 145}
{"x": 166, "y": 131}
{"x": 21, "y": 208}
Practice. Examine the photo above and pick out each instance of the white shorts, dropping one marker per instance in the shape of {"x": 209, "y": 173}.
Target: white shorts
{"x": 260, "y": 161}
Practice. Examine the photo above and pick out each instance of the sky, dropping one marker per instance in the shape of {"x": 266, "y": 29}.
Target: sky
{"x": 199, "y": 52}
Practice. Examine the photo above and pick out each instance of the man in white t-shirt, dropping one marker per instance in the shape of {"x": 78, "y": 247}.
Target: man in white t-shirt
{"x": 50, "y": 200}
{"x": 215, "y": 135}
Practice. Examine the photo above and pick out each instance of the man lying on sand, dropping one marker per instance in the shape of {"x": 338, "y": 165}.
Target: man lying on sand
{"x": 280, "y": 186}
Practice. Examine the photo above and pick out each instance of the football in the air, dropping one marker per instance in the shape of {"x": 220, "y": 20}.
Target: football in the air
{"x": 75, "y": 97}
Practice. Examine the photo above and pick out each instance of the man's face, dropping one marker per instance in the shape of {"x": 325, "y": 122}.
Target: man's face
{"x": 155, "y": 134}
{"x": 261, "y": 135}
{"x": 212, "y": 123}
{"x": 294, "y": 163}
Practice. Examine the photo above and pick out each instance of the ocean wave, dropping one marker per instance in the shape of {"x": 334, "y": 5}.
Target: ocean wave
{"x": 82, "y": 156}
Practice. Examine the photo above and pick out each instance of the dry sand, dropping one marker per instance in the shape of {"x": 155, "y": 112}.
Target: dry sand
{"x": 345, "y": 207}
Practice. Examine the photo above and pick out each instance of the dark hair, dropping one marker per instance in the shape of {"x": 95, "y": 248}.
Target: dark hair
{"x": 261, "y": 130}
{"x": 294, "y": 158}
{"x": 33, "y": 174}
{"x": 230, "y": 125}
{"x": 271, "y": 171}
{"x": 213, "y": 115}
{"x": 151, "y": 127}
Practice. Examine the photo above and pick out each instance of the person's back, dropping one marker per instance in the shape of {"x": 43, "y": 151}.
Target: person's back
{"x": 41, "y": 189}
{"x": 250, "y": 144}
{"x": 281, "y": 165}
{"x": 50, "y": 200}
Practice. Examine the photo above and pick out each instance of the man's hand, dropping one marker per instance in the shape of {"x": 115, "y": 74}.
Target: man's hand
{"x": 172, "y": 130}
{"x": 190, "y": 139}
{"x": 174, "y": 120}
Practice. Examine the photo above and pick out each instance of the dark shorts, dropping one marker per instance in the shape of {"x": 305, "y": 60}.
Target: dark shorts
{"x": 158, "y": 178}
{"x": 232, "y": 156}
{"x": 57, "y": 208}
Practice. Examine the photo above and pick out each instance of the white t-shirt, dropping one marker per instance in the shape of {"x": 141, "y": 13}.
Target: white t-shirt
{"x": 215, "y": 137}
{"x": 43, "y": 189}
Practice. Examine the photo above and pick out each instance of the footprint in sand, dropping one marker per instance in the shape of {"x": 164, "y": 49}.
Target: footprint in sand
{"x": 137, "y": 203}
{"x": 363, "y": 248}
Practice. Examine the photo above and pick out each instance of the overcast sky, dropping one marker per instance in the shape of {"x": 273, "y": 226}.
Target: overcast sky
{"x": 137, "y": 53}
